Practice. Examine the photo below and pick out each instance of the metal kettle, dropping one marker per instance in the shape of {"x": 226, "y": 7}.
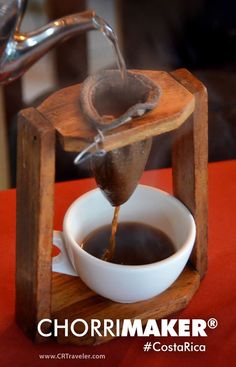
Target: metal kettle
{"x": 18, "y": 51}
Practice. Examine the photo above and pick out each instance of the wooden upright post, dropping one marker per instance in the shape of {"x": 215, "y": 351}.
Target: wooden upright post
{"x": 35, "y": 193}
{"x": 190, "y": 160}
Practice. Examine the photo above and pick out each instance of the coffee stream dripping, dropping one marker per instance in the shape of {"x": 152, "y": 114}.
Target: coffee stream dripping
{"x": 109, "y": 252}
{"x": 116, "y": 97}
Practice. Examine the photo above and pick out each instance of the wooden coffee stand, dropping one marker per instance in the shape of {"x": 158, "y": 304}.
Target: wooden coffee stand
{"x": 43, "y": 294}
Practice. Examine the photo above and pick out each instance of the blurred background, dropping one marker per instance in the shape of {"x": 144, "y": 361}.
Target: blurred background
{"x": 199, "y": 35}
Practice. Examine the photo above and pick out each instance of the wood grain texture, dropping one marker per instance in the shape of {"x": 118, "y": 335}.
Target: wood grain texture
{"x": 35, "y": 193}
{"x": 175, "y": 105}
{"x": 190, "y": 166}
{"x": 72, "y": 299}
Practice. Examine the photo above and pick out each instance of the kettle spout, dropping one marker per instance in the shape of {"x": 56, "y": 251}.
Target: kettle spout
{"x": 24, "y": 49}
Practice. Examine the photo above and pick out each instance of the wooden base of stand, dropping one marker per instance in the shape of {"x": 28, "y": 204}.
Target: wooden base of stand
{"x": 72, "y": 299}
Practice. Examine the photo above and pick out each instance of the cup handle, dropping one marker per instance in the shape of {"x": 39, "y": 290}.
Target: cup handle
{"x": 61, "y": 262}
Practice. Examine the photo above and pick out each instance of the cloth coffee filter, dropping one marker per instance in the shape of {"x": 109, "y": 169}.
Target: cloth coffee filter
{"x": 107, "y": 102}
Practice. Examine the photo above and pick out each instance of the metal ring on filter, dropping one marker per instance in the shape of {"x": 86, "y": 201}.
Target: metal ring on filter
{"x": 89, "y": 150}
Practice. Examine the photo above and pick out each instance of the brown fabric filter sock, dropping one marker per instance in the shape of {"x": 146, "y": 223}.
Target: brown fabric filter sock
{"x": 108, "y": 102}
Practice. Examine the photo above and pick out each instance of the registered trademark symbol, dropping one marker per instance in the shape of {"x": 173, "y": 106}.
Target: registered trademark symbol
{"x": 212, "y": 323}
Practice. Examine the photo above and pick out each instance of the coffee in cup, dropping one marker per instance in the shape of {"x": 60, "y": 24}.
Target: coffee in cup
{"x": 136, "y": 244}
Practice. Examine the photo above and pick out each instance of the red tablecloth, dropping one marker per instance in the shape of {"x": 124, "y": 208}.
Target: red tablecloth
{"x": 216, "y": 296}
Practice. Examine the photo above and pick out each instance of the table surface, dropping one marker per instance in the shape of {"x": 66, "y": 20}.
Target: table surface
{"x": 216, "y": 296}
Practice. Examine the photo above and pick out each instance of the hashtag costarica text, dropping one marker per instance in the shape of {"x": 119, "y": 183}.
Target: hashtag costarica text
{"x": 185, "y": 347}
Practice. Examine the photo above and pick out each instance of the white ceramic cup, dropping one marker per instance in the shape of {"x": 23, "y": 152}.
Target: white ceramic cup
{"x": 125, "y": 283}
